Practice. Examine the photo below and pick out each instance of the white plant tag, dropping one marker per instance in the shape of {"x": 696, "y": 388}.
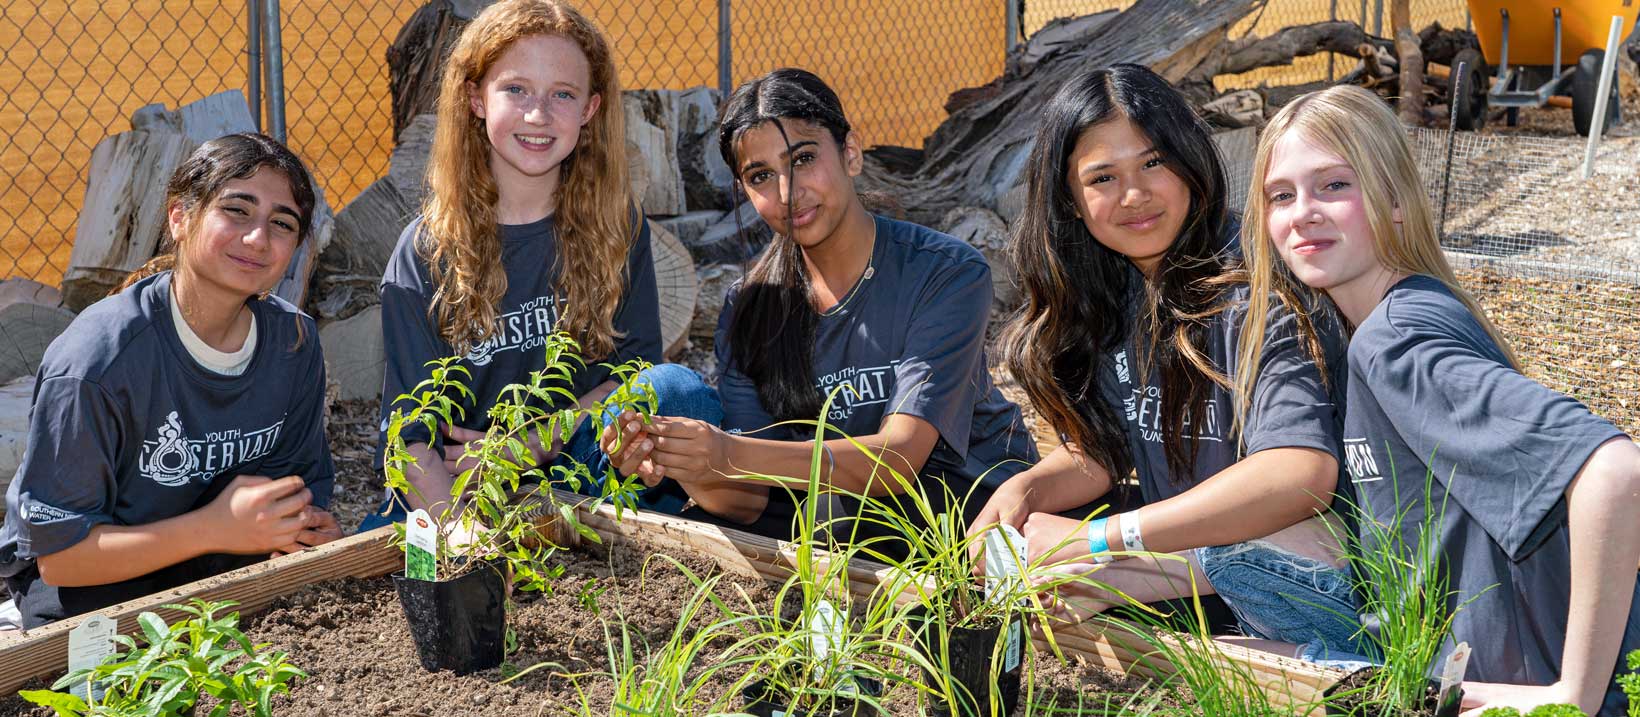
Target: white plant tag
{"x": 1004, "y": 559}
{"x": 421, "y": 545}
{"x": 1452, "y": 671}
{"x": 88, "y": 644}
{"x": 1010, "y": 657}
{"x": 825, "y": 632}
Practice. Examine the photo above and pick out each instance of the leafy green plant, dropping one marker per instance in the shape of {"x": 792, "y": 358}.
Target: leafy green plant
{"x": 205, "y": 654}
{"x": 1540, "y": 711}
{"x": 1630, "y": 683}
{"x": 494, "y": 505}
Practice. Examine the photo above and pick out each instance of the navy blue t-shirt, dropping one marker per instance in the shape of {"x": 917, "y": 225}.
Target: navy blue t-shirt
{"x": 1433, "y": 401}
{"x": 128, "y": 429}
{"x": 908, "y": 338}
{"x": 528, "y": 313}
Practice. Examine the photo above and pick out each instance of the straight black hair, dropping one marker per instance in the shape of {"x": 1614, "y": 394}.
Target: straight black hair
{"x": 771, "y": 332}
{"x": 1080, "y": 295}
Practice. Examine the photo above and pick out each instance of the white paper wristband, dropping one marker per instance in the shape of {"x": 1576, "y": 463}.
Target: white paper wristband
{"x": 1131, "y": 540}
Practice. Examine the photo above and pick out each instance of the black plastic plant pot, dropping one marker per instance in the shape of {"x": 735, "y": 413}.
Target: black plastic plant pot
{"x": 762, "y": 700}
{"x": 1341, "y": 703}
{"x": 459, "y": 625}
{"x": 971, "y": 651}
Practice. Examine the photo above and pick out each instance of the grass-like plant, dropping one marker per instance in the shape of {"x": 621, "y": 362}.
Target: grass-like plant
{"x": 205, "y": 654}
{"x": 1405, "y": 589}
{"x": 495, "y": 503}
{"x": 662, "y": 681}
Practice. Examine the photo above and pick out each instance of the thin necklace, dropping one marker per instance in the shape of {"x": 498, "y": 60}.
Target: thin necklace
{"x": 871, "y": 270}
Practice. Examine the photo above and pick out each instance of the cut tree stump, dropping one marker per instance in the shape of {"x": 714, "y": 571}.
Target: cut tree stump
{"x": 651, "y": 145}
{"x": 41, "y": 653}
{"x": 16, "y": 397}
{"x": 31, "y": 316}
{"x": 675, "y": 280}
{"x": 736, "y": 237}
{"x": 122, "y": 219}
{"x": 984, "y": 230}
{"x": 354, "y": 356}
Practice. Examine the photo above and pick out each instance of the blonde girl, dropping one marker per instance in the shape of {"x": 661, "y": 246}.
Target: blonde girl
{"x": 1537, "y": 532}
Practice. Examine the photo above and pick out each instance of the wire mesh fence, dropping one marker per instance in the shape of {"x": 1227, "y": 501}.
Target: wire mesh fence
{"x": 71, "y": 74}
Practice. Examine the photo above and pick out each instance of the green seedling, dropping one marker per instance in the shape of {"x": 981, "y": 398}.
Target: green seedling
{"x": 205, "y": 654}
{"x": 495, "y": 506}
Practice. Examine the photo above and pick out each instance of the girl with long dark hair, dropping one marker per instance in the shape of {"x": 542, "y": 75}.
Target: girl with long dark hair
{"x": 894, "y": 312}
{"x": 1126, "y": 344}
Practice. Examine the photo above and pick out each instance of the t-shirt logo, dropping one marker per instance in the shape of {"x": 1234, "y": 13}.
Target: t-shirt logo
{"x": 37, "y": 513}
{"x": 1122, "y": 368}
{"x": 1358, "y": 458}
{"x": 172, "y": 459}
{"x": 521, "y": 329}
{"x": 1144, "y": 409}
{"x": 866, "y": 387}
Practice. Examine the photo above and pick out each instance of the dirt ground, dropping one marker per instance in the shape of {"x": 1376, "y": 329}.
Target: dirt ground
{"x": 351, "y": 638}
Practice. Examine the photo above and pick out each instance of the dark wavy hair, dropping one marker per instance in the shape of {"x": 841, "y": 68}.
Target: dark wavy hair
{"x": 1079, "y": 295}
{"x": 202, "y": 175}
{"x": 771, "y": 333}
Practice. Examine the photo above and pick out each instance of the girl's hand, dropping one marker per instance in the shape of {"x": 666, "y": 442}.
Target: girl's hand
{"x": 1009, "y": 505}
{"x": 1067, "y": 594}
{"x": 627, "y": 443}
{"x": 318, "y": 527}
{"x": 687, "y": 450}
{"x": 1055, "y": 538}
{"x": 257, "y": 515}
{"x": 1481, "y": 696}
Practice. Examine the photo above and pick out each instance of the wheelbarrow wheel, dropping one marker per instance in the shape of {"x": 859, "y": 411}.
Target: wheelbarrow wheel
{"x": 1468, "y": 92}
{"x": 1585, "y": 88}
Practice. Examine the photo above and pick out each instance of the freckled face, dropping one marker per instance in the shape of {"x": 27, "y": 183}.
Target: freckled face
{"x": 534, "y": 101}
{"x": 1128, "y": 197}
{"x": 1317, "y": 216}
{"x": 245, "y": 236}
{"x": 816, "y": 175}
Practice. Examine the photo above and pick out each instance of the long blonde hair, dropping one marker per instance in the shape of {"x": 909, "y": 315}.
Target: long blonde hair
{"x": 1359, "y": 127}
{"x": 594, "y": 218}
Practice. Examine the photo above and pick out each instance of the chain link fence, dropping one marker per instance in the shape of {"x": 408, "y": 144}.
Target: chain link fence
{"x": 71, "y": 73}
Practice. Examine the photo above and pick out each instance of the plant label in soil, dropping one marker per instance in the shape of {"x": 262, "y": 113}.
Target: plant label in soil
{"x": 1452, "y": 671}
{"x": 420, "y": 545}
{"x": 1010, "y": 656}
{"x": 1004, "y": 559}
{"x": 824, "y": 632}
{"x": 88, "y": 645}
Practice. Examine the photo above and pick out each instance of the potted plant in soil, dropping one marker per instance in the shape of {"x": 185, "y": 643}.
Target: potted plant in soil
{"x": 819, "y": 651}
{"x": 1402, "y": 584}
{"x": 488, "y": 533}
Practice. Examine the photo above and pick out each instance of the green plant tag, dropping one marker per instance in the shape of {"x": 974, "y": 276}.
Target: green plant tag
{"x": 1452, "y": 671}
{"x": 420, "y": 545}
{"x": 89, "y": 644}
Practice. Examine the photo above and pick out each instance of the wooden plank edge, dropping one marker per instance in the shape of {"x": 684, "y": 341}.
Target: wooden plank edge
{"x": 43, "y": 652}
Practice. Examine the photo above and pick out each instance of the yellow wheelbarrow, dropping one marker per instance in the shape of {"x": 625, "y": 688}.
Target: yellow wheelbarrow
{"x": 1539, "y": 49}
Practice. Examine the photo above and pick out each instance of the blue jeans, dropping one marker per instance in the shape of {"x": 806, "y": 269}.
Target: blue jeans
{"x": 1277, "y": 595}
{"x": 680, "y": 392}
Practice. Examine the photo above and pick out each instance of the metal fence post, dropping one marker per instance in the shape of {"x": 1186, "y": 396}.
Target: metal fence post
{"x": 725, "y": 52}
{"x": 253, "y": 60}
{"x": 274, "y": 65}
{"x": 1332, "y": 15}
{"x": 1012, "y": 27}
{"x": 1378, "y": 18}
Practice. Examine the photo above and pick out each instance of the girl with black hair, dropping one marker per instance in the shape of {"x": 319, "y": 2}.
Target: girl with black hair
{"x": 1126, "y": 344}
{"x": 895, "y": 311}
{"x": 177, "y": 428}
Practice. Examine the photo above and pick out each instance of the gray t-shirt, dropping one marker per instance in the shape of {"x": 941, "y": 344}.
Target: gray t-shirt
{"x": 909, "y": 339}
{"x": 127, "y": 429}
{"x": 1292, "y": 406}
{"x": 528, "y": 313}
{"x": 1432, "y": 397}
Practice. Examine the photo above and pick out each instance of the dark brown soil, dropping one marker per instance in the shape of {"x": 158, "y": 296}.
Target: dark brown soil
{"x": 350, "y": 636}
